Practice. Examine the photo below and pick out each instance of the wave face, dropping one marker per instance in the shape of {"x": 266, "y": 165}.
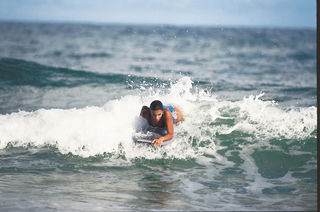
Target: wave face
{"x": 16, "y": 72}
{"x": 70, "y": 96}
{"x": 27, "y": 85}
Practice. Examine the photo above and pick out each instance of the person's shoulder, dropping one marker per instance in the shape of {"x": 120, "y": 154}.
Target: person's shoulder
{"x": 167, "y": 112}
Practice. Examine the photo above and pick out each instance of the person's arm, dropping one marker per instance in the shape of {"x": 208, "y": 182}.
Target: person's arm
{"x": 169, "y": 135}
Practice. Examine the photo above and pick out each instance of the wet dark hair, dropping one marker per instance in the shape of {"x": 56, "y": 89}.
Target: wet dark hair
{"x": 156, "y": 105}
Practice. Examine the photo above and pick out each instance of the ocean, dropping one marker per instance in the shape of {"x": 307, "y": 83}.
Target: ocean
{"x": 71, "y": 94}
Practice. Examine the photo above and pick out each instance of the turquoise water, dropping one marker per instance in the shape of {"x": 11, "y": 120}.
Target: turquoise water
{"x": 70, "y": 95}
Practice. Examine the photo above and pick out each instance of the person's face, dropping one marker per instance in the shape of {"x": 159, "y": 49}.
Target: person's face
{"x": 156, "y": 115}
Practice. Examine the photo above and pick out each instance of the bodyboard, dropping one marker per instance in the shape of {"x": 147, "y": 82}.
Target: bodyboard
{"x": 145, "y": 138}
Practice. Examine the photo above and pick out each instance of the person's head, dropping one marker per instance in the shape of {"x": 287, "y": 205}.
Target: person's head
{"x": 156, "y": 108}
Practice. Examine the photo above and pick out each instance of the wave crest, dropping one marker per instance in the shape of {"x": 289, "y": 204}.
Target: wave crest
{"x": 108, "y": 129}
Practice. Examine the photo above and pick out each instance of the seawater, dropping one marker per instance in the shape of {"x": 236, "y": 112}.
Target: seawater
{"x": 70, "y": 96}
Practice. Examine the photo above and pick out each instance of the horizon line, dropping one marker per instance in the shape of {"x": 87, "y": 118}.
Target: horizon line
{"x": 155, "y": 24}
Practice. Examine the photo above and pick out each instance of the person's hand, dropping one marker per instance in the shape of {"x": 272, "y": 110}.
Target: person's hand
{"x": 158, "y": 141}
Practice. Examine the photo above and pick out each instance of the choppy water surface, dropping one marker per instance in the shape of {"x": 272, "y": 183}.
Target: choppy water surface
{"x": 70, "y": 96}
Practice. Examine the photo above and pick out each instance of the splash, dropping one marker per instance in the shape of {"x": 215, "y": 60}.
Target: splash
{"x": 108, "y": 129}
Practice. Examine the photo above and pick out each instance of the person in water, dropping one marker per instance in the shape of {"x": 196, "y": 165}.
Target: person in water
{"x": 162, "y": 116}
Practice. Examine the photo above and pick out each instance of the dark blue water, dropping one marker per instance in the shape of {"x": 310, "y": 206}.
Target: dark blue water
{"x": 70, "y": 95}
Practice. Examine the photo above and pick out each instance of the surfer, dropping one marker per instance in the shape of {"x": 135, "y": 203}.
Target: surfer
{"x": 162, "y": 116}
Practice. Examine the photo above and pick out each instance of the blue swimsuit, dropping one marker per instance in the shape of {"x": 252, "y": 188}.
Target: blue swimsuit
{"x": 173, "y": 112}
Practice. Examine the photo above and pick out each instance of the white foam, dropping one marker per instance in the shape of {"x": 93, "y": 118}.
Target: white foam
{"x": 108, "y": 129}
{"x": 264, "y": 118}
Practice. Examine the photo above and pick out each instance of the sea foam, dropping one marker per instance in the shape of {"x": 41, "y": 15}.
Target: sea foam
{"x": 108, "y": 129}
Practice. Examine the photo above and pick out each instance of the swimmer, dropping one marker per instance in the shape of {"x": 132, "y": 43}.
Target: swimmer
{"x": 162, "y": 116}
